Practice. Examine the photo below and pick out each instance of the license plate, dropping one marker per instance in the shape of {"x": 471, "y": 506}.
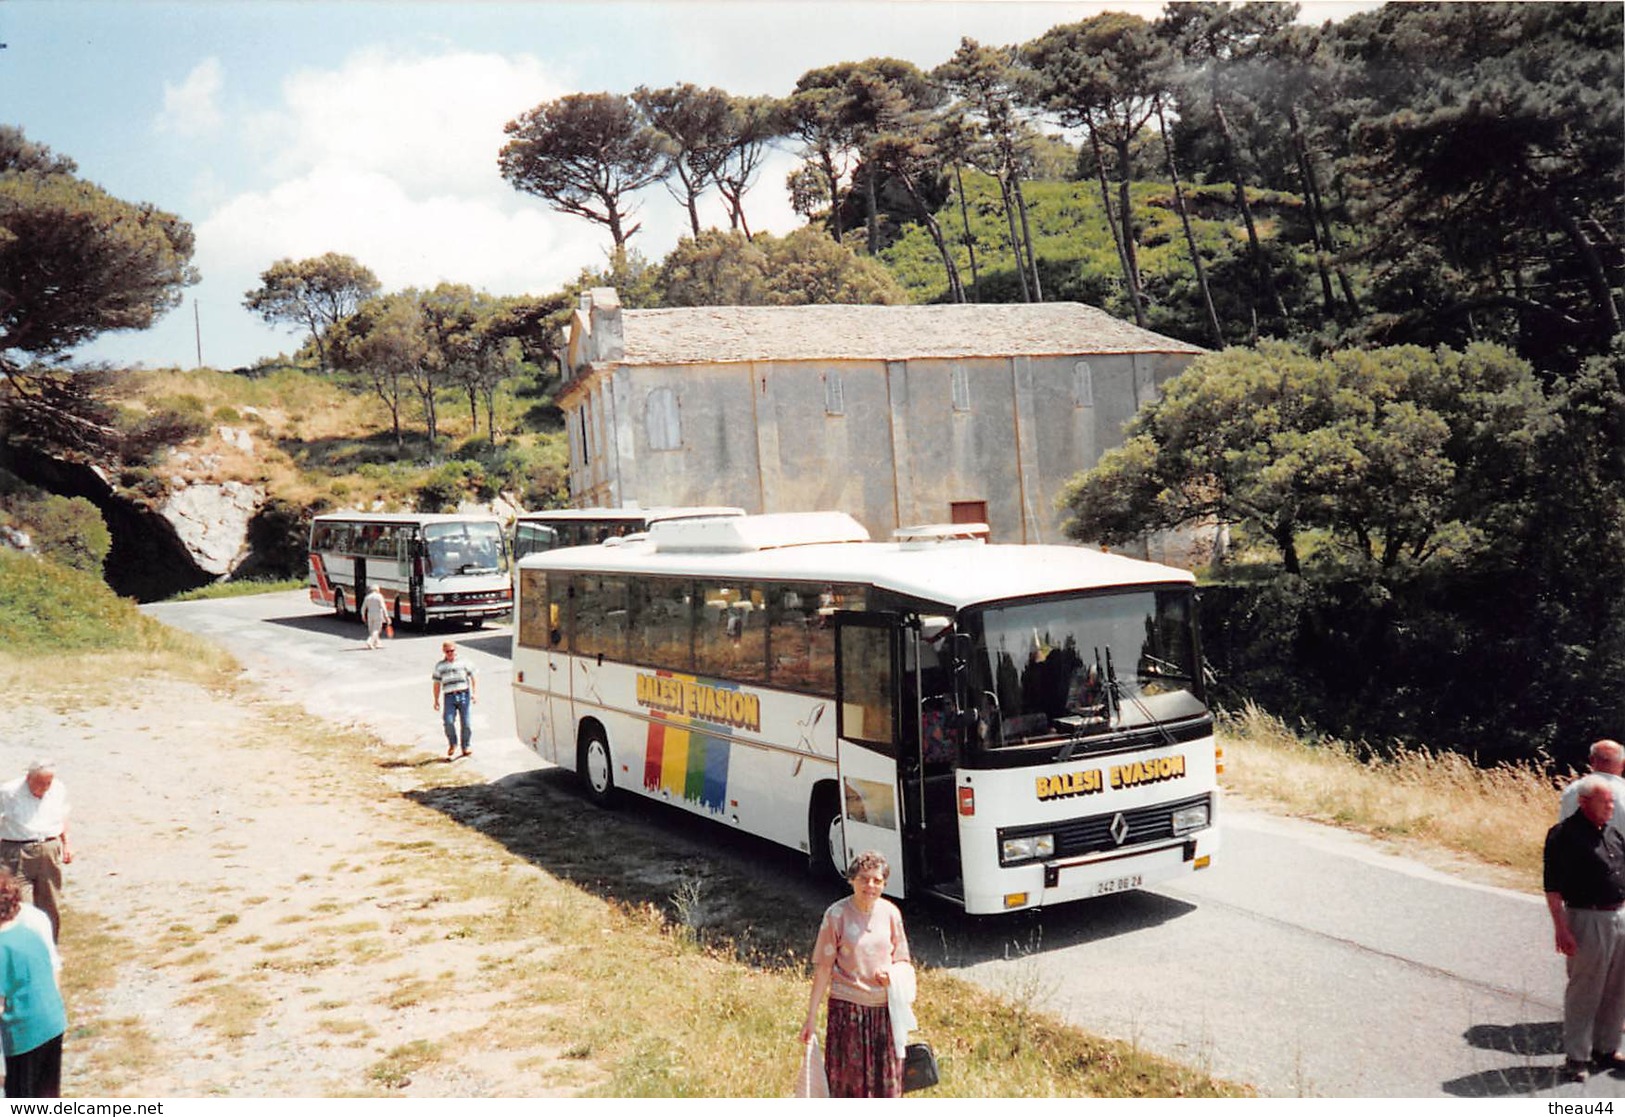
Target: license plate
{"x": 1118, "y": 884}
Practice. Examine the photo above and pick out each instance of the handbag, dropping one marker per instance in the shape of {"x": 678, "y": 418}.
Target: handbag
{"x": 811, "y": 1081}
{"x": 919, "y": 1067}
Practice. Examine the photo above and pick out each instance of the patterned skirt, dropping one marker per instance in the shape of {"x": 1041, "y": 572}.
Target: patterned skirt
{"x": 859, "y": 1057}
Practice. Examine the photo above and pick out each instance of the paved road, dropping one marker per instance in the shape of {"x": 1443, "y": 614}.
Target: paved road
{"x": 1305, "y": 962}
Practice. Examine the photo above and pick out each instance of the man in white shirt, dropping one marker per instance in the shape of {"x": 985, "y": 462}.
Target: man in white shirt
{"x": 1607, "y": 758}
{"x": 34, "y": 836}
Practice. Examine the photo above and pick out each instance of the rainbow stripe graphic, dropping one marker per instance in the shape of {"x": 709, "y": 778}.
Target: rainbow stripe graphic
{"x": 687, "y": 757}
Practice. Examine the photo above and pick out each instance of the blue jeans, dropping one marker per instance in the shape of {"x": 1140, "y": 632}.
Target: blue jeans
{"x": 453, "y": 706}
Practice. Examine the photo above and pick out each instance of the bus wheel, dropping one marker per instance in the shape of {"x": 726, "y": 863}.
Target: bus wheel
{"x": 597, "y": 773}
{"x": 340, "y": 609}
{"x": 826, "y": 837}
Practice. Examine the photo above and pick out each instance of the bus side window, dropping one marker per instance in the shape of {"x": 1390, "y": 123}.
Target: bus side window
{"x": 730, "y": 640}
{"x": 534, "y": 611}
{"x": 664, "y": 633}
{"x": 866, "y": 676}
{"x": 600, "y": 624}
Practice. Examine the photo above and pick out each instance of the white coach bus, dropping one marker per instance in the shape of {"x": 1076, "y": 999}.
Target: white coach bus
{"x": 429, "y": 567}
{"x": 578, "y": 527}
{"x": 1012, "y": 726}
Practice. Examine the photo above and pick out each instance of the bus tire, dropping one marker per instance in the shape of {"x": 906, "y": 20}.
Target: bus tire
{"x": 340, "y": 610}
{"x": 825, "y": 835}
{"x": 596, "y": 768}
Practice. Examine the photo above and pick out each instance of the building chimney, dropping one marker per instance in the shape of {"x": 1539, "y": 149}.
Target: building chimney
{"x": 608, "y": 334}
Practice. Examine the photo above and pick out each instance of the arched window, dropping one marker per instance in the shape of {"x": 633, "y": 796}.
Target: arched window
{"x": 961, "y": 388}
{"x": 834, "y": 394}
{"x": 1083, "y": 385}
{"x": 661, "y": 422}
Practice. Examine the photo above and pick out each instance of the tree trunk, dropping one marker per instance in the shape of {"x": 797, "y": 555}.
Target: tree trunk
{"x": 1233, "y": 158}
{"x": 1596, "y": 274}
{"x": 1027, "y": 235}
{"x": 1015, "y": 237}
{"x": 1190, "y": 236}
{"x": 1323, "y": 250}
{"x": 1125, "y": 211}
{"x": 871, "y": 204}
{"x": 834, "y": 182}
{"x": 970, "y": 241}
{"x": 1111, "y": 223}
{"x": 956, "y": 289}
{"x": 1286, "y": 541}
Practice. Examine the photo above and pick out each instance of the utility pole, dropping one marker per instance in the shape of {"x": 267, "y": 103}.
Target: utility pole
{"x": 197, "y": 329}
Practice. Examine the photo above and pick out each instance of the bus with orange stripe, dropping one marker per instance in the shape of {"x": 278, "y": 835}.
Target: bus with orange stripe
{"x": 430, "y": 567}
{"x": 1012, "y": 726}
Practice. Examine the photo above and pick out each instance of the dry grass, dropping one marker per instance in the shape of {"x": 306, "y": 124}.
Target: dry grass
{"x": 312, "y": 439}
{"x": 604, "y": 959}
{"x": 1496, "y": 816}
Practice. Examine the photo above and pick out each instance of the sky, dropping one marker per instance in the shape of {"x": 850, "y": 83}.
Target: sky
{"x": 285, "y": 129}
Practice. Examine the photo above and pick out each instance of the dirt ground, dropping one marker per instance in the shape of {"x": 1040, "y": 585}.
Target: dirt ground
{"x": 278, "y": 922}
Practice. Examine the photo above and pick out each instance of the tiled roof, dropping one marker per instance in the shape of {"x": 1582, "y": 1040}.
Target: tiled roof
{"x": 730, "y": 334}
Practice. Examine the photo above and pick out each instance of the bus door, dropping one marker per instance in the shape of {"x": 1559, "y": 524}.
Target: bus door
{"x": 360, "y": 583}
{"x": 418, "y": 557}
{"x": 867, "y": 704}
{"x": 930, "y": 748}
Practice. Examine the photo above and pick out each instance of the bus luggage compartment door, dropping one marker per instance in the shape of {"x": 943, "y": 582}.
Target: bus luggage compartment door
{"x": 866, "y": 701}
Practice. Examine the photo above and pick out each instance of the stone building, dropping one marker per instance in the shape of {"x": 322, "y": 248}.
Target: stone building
{"x": 898, "y": 415}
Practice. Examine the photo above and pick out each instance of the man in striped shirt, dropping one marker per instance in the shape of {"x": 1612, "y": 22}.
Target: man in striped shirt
{"x": 453, "y": 695}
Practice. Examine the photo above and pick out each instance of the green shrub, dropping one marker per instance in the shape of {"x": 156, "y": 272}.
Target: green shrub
{"x": 71, "y": 531}
{"x": 168, "y": 427}
{"x": 447, "y": 485}
{"x": 46, "y": 607}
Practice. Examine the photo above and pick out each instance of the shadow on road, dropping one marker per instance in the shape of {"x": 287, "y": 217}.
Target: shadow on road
{"x": 756, "y": 893}
{"x": 326, "y": 624}
{"x": 1507, "y": 1082}
{"x": 499, "y": 644}
{"x": 1543, "y": 1039}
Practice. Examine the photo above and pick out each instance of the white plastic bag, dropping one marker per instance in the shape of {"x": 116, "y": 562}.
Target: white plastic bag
{"x": 810, "y": 1079}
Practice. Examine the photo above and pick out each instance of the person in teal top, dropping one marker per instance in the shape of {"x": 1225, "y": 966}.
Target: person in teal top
{"x": 32, "y": 1016}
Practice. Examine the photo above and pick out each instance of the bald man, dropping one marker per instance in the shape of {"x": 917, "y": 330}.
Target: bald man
{"x": 1607, "y": 758}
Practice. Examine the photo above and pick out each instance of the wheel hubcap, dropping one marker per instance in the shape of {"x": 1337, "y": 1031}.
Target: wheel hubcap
{"x": 837, "y": 846}
{"x": 598, "y": 766}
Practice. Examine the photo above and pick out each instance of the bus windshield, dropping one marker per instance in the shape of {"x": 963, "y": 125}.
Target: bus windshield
{"x": 1083, "y": 665}
{"x": 469, "y": 547}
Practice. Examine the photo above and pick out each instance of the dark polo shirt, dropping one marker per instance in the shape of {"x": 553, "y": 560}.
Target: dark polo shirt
{"x": 1585, "y": 863}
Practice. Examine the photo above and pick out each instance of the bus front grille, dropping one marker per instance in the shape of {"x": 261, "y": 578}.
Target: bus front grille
{"x": 1099, "y": 833}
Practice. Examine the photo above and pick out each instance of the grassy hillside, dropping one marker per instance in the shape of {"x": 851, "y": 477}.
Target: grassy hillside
{"x": 69, "y": 625}
{"x": 314, "y": 443}
{"x": 1078, "y": 260}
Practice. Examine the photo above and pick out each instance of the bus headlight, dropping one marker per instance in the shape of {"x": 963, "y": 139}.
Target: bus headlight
{"x": 1191, "y": 818}
{"x": 1031, "y": 848}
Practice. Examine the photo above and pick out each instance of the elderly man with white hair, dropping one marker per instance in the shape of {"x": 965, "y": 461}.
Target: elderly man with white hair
{"x": 1585, "y": 891}
{"x": 34, "y": 836}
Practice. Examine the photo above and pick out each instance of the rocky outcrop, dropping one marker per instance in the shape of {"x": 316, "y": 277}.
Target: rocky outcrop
{"x": 211, "y": 522}
{"x": 193, "y": 535}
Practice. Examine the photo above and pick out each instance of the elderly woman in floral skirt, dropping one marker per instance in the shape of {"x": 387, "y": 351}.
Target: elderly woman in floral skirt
{"x": 859, "y": 941}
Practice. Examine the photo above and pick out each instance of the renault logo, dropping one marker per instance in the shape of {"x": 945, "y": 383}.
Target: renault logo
{"x": 1119, "y": 829}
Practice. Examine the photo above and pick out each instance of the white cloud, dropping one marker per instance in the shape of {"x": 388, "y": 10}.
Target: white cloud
{"x": 432, "y": 124}
{"x": 407, "y": 241}
{"x": 192, "y": 107}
